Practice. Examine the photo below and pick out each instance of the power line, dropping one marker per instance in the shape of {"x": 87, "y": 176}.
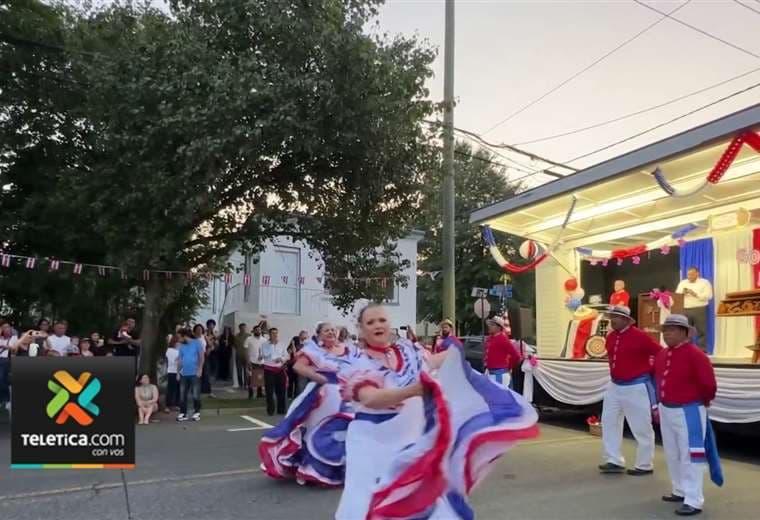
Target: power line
{"x": 512, "y": 148}
{"x": 638, "y": 112}
{"x": 747, "y": 7}
{"x": 583, "y": 70}
{"x": 700, "y": 31}
{"x": 703, "y": 107}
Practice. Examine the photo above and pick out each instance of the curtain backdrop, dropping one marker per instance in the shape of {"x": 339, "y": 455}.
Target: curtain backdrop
{"x": 699, "y": 254}
{"x": 756, "y": 271}
{"x": 733, "y": 334}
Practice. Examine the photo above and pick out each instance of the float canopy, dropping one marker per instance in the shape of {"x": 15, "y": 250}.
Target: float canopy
{"x": 619, "y": 202}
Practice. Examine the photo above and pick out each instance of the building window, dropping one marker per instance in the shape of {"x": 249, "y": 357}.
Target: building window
{"x": 284, "y": 291}
{"x": 391, "y": 294}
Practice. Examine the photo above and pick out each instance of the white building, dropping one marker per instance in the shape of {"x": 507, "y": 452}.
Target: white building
{"x": 287, "y": 289}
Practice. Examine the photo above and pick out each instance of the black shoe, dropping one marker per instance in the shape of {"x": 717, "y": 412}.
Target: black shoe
{"x": 685, "y": 510}
{"x": 611, "y": 468}
{"x": 672, "y": 498}
{"x": 638, "y": 472}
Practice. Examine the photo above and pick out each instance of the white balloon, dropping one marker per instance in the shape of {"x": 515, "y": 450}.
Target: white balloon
{"x": 578, "y": 293}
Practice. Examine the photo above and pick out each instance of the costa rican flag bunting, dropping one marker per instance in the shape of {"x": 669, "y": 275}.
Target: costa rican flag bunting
{"x": 265, "y": 280}
{"x": 247, "y": 280}
{"x": 55, "y": 265}
{"x": 285, "y": 280}
{"x": 31, "y": 262}
{"x": 78, "y": 268}
{"x": 383, "y": 283}
{"x": 6, "y": 260}
{"x": 189, "y": 275}
{"x": 101, "y": 270}
{"x": 228, "y": 278}
{"x": 123, "y": 274}
{"x": 169, "y": 275}
{"x": 301, "y": 280}
{"x": 146, "y": 275}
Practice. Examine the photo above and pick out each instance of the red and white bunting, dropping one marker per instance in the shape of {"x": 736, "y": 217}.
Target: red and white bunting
{"x": 6, "y": 260}
{"x": 78, "y": 268}
{"x": 247, "y": 280}
{"x": 189, "y": 275}
{"x": 55, "y": 265}
{"x": 285, "y": 280}
{"x": 31, "y": 262}
{"x": 146, "y": 275}
{"x": 209, "y": 276}
{"x": 383, "y": 283}
{"x": 266, "y": 280}
{"x": 228, "y": 278}
{"x": 101, "y": 270}
{"x": 301, "y": 280}
{"x": 123, "y": 274}
{"x": 169, "y": 275}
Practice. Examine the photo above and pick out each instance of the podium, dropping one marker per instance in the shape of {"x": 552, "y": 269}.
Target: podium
{"x": 649, "y": 313}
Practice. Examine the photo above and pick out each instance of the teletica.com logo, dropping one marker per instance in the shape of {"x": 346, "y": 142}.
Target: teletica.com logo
{"x": 63, "y": 406}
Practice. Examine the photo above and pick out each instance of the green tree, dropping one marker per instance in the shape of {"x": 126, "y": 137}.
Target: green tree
{"x": 479, "y": 182}
{"x": 220, "y": 126}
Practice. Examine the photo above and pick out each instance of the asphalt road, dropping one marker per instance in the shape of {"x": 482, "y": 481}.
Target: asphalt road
{"x": 208, "y": 470}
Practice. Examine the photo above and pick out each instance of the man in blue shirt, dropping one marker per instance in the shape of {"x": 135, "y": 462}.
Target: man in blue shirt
{"x": 190, "y": 365}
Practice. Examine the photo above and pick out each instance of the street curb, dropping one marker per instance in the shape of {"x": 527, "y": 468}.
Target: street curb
{"x": 231, "y": 411}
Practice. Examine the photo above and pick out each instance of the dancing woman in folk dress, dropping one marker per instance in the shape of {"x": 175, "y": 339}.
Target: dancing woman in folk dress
{"x": 309, "y": 443}
{"x": 417, "y": 445}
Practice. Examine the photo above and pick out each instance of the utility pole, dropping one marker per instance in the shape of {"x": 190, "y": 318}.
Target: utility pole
{"x": 449, "y": 284}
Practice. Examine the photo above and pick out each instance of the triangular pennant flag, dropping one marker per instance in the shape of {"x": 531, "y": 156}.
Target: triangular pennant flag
{"x": 31, "y": 262}
{"x": 301, "y": 280}
{"x": 285, "y": 280}
{"x": 228, "y": 278}
{"x": 265, "y": 280}
{"x": 123, "y": 274}
{"x": 247, "y": 280}
{"x": 189, "y": 275}
{"x": 6, "y": 260}
{"x": 54, "y": 265}
{"x": 101, "y": 270}
{"x": 146, "y": 275}
{"x": 383, "y": 283}
{"x": 209, "y": 276}
{"x": 168, "y": 275}
{"x": 78, "y": 268}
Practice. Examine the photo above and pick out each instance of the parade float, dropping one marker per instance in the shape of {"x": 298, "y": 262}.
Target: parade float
{"x": 645, "y": 218}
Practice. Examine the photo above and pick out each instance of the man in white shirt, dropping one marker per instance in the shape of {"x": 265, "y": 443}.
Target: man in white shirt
{"x": 59, "y": 343}
{"x": 273, "y": 356}
{"x": 697, "y": 293}
{"x": 8, "y": 342}
{"x": 253, "y": 348}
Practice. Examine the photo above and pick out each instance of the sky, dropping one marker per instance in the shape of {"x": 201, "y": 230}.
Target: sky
{"x": 510, "y": 52}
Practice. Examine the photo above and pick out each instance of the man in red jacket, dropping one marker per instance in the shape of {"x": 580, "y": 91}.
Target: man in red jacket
{"x": 500, "y": 355}
{"x": 630, "y": 395}
{"x": 685, "y": 386}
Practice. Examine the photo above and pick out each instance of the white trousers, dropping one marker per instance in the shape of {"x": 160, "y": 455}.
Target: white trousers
{"x": 629, "y": 402}
{"x": 500, "y": 379}
{"x": 687, "y": 477}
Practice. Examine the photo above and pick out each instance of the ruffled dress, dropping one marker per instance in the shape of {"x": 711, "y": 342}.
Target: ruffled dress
{"x": 309, "y": 443}
{"x": 422, "y": 460}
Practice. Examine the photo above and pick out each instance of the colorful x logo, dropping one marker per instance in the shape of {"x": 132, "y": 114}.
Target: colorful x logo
{"x": 61, "y": 407}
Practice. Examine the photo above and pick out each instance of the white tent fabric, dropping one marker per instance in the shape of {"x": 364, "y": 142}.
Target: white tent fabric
{"x": 732, "y": 335}
{"x": 584, "y": 383}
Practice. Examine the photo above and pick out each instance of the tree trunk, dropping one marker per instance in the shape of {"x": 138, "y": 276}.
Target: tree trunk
{"x": 150, "y": 329}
